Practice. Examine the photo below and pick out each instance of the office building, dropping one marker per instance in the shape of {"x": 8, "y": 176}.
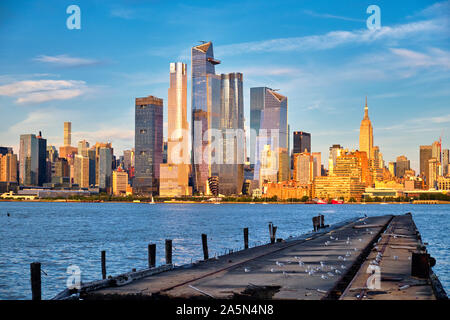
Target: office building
{"x": 148, "y": 144}
{"x": 366, "y": 134}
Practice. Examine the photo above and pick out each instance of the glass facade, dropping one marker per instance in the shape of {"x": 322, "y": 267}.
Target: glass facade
{"x": 28, "y": 160}
{"x": 148, "y": 144}
{"x": 105, "y": 169}
{"x": 268, "y": 117}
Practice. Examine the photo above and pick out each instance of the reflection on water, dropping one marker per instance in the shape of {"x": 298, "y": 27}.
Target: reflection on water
{"x": 63, "y": 234}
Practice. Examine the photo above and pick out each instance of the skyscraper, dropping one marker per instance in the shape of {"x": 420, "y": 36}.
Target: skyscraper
{"x": 402, "y": 164}
{"x": 366, "y": 134}
{"x": 83, "y": 147}
{"x": 42, "y": 159}
{"x": 8, "y": 167}
{"x": 104, "y": 169}
{"x": 67, "y": 133}
{"x": 302, "y": 142}
{"x": 269, "y": 108}
{"x": 174, "y": 175}
{"x": 230, "y": 158}
{"x": 81, "y": 171}
{"x": 148, "y": 141}
{"x": 445, "y": 162}
{"x": 205, "y": 111}
{"x": 425, "y": 156}
{"x": 335, "y": 151}
{"x": 28, "y": 160}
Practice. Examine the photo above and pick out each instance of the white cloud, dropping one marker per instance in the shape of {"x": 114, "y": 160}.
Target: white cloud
{"x": 37, "y": 91}
{"x": 332, "y": 39}
{"x": 331, "y": 16}
{"x": 64, "y": 60}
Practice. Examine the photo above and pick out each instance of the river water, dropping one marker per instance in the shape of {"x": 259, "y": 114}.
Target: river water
{"x": 63, "y": 234}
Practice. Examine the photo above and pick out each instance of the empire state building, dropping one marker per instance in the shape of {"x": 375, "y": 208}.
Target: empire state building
{"x": 366, "y": 134}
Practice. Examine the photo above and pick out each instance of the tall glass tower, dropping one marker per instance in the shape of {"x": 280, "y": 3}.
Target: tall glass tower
{"x": 148, "y": 141}
{"x": 205, "y": 110}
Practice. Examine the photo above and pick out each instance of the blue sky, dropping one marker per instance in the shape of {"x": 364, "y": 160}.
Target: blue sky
{"x": 320, "y": 54}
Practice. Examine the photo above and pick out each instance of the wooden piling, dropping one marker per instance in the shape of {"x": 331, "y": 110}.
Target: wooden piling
{"x": 168, "y": 251}
{"x": 205, "y": 246}
{"x": 103, "y": 264}
{"x": 35, "y": 270}
{"x": 245, "y": 238}
{"x": 151, "y": 255}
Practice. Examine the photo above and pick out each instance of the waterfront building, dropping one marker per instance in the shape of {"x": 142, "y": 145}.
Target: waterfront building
{"x": 366, "y": 134}
{"x": 317, "y": 158}
{"x": 174, "y": 175}
{"x": 28, "y": 160}
{"x": 393, "y": 168}
{"x": 356, "y": 165}
{"x": 97, "y": 147}
{"x": 42, "y": 160}
{"x": 119, "y": 182}
{"x": 81, "y": 171}
{"x": 148, "y": 144}
{"x": 8, "y": 167}
{"x": 402, "y": 166}
{"x": 60, "y": 172}
{"x": 333, "y": 187}
{"x": 268, "y": 168}
{"x": 286, "y": 190}
{"x": 104, "y": 169}
{"x": 205, "y": 111}
{"x": 443, "y": 183}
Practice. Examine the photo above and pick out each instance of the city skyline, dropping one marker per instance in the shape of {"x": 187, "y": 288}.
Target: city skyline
{"x": 405, "y": 113}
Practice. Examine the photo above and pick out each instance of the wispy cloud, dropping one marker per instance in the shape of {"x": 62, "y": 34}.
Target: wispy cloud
{"x": 332, "y": 39}
{"x": 331, "y": 16}
{"x": 105, "y": 135}
{"x": 65, "y": 60}
{"x": 123, "y": 13}
{"x": 38, "y": 91}
{"x": 434, "y": 57}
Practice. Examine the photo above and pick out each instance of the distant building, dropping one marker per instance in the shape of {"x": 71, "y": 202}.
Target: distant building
{"x": 42, "y": 160}
{"x": 331, "y": 187}
{"x": 287, "y": 190}
{"x": 148, "y": 144}
{"x": 304, "y": 170}
{"x": 81, "y": 171}
{"x": 28, "y": 160}
{"x": 8, "y": 167}
{"x": 402, "y": 165}
{"x": 268, "y": 118}
{"x": 445, "y": 162}
{"x": 105, "y": 169}
{"x": 119, "y": 182}
{"x": 366, "y": 134}
{"x": 67, "y": 133}
{"x": 67, "y": 151}
{"x": 174, "y": 174}
{"x": 425, "y": 155}
{"x": 335, "y": 151}
{"x": 434, "y": 167}
{"x": 302, "y": 142}
{"x": 443, "y": 183}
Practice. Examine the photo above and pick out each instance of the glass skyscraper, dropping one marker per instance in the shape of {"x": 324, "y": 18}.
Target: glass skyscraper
{"x": 268, "y": 118}
{"x": 205, "y": 110}
{"x": 28, "y": 160}
{"x": 148, "y": 141}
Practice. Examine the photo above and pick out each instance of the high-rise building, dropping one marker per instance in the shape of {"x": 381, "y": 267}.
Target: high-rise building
{"x": 393, "y": 168}
{"x": 205, "y": 111}
{"x": 67, "y": 133}
{"x": 81, "y": 171}
{"x": 148, "y": 141}
{"x": 268, "y": 119}
{"x": 302, "y": 142}
{"x": 83, "y": 147}
{"x": 97, "y": 147}
{"x": 356, "y": 165}
{"x": 434, "y": 167}
{"x": 119, "y": 182}
{"x": 60, "y": 172}
{"x": 425, "y": 155}
{"x": 230, "y": 158}
{"x": 104, "y": 169}
{"x": 67, "y": 151}
{"x": 366, "y": 134}
{"x": 445, "y": 162}
{"x": 317, "y": 157}
{"x": 304, "y": 169}
{"x": 42, "y": 159}
{"x": 28, "y": 160}
{"x": 174, "y": 175}
{"x": 8, "y": 167}
{"x": 335, "y": 151}
{"x": 402, "y": 164}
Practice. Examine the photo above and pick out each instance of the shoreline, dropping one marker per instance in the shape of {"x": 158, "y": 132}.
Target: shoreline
{"x": 219, "y": 202}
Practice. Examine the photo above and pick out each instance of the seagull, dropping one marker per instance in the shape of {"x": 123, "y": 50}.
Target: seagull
{"x": 279, "y": 264}
{"x": 324, "y": 277}
{"x": 246, "y": 269}
{"x": 271, "y": 270}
